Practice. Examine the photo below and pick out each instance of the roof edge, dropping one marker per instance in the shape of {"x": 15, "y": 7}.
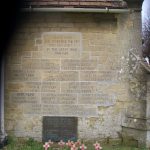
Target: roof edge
{"x": 95, "y": 4}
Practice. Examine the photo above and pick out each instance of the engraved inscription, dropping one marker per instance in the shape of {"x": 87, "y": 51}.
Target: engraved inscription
{"x": 50, "y": 76}
{"x": 88, "y": 64}
{"x": 69, "y": 76}
{"x": 51, "y": 110}
{"x": 25, "y": 97}
{"x": 98, "y": 75}
{"x": 72, "y": 64}
{"x": 50, "y": 64}
{"x": 79, "y": 110}
{"x": 60, "y": 76}
{"x": 32, "y": 87}
{"x": 98, "y": 99}
{"x": 48, "y": 98}
{"x": 24, "y": 87}
{"x": 59, "y": 128}
{"x": 79, "y": 87}
{"x": 59, "y": 79}
{"x": 24, "y": 75}
{"x": 51, "y": 87}
{"x": 70, "y": 110}
{"x": 65, "y": 45}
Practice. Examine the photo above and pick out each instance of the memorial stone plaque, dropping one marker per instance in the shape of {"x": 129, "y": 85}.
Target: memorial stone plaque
{"x": 59, "y": 128}
{"x": 62, "y": 45}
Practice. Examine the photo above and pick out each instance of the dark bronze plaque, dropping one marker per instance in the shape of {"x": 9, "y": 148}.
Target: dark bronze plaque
{"x": 59, "y": 128}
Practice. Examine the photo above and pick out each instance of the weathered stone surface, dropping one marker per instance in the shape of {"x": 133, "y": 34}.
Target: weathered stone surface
{"x": 98, "y": 76}
{"x": 70, "y": 110}
{"x": 40, "y": 64}
{"x": 48, "y": 98}
{"x": 76, "y": 64}
{"x": 23, "y": 75}
{"x": 25, "y": 97}
{"x": 69, "y": 64}
{"x": 98, "y": 99}
{"x": 79, "y": 87}
{"x": 65, "y": 45}
{"x": 130, "y": 135}
{"x": 32, "y": 109}
{"x": 60, "y": 76}
{"x": 51, "y": 87}
{"x": 136, "y": 123}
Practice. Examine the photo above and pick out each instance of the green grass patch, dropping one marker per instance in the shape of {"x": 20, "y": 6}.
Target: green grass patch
{"x": 30, "y": 144}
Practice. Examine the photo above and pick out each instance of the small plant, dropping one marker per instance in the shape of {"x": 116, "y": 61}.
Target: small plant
{"x": 30, "y": 142}
{"x": 11, "y": 140}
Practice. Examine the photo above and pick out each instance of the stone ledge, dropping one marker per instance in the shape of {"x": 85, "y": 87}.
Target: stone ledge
{"x": 135, "y": 123}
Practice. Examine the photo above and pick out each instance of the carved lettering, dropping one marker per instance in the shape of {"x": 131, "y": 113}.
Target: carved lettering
{"x": 70, "y": 110}
{"x": 98, "y": 76}
{"x": 59, "y": 98}
{"x": 66, "y": 45}
{"x": 98, "y": 99}
{"x": 71, "y": 64}
{"x": 60, "y": 76}
{"x": 51, "y": 87}
{"x": 79, "y": 87}
{"x": 25, "y": 97}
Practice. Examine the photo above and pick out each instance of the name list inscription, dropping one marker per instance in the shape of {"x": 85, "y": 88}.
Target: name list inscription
{"x": 60, "y": 81}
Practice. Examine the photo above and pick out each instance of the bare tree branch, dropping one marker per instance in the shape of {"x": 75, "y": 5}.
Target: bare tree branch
{"x": 146, "y": 37}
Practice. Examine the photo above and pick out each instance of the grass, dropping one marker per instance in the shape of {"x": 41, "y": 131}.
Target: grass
{"x": 30, "y": 144}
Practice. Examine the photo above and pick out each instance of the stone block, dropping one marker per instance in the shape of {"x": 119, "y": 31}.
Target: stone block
{"x": 98, "y": 76}
{"x": 104, "y": 100}
{"x": 50, "y": 87}
{"x": 23, "y": 75}
{"x": 69, "y": 110}
{"x": 79, "y": 87}
{"x": 32, "y": 109}
{"x": 76, "y": 64}
{"x": 25, "y": 98}
{"x": 51, "y": 99}
{"x": 60, "y": 76}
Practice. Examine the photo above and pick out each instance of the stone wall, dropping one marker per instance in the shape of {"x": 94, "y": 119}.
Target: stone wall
{"x": 69, "y": 64}
{"x": 134, "y": 125}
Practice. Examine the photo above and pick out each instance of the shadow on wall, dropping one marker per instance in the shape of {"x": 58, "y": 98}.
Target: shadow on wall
{"x": 9, "y": 14}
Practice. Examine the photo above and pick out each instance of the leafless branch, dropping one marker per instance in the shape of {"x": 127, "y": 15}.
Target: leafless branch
{"x": 146, "y": 37}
